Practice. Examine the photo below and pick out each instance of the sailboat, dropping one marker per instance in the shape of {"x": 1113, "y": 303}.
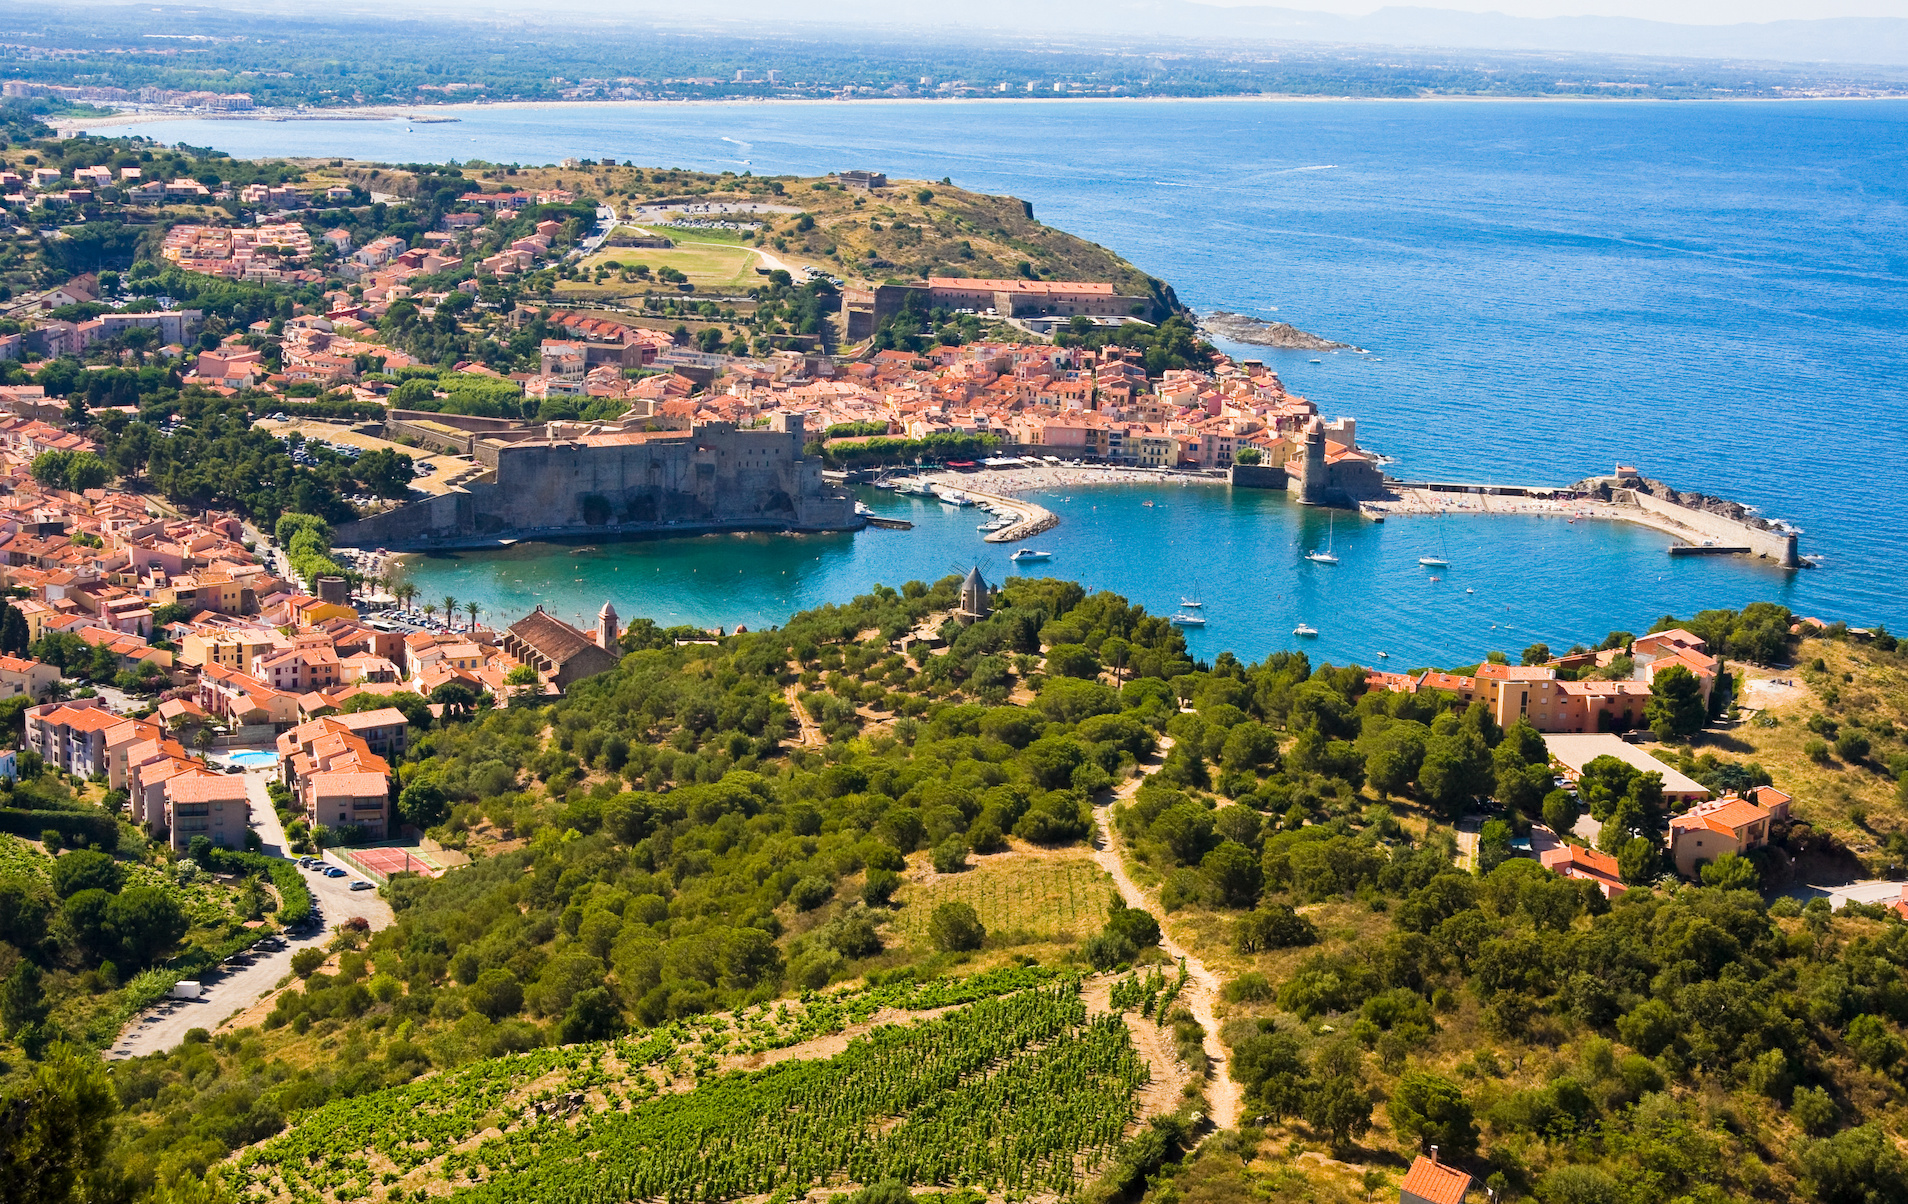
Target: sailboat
{"x": 1192, "y": 603}
{"x": 1325, "y": 557}
{"x": 1187, "y": 620}
{"x": 1439, "y": 561}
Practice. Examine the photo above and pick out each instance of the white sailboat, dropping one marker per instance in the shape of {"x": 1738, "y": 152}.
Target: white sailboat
{"x": 1439, "y": 561}
{"x": 1327, "y": 556}
{"x": 1186, "y": 620}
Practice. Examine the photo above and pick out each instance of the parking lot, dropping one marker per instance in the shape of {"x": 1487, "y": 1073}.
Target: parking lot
{"x": 248, "y": 978}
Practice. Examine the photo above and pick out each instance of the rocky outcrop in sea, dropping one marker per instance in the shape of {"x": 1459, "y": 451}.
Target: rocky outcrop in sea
{"x": 1257, "y": 332}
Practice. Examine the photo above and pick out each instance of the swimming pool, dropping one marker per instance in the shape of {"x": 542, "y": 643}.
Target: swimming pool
{"x": 258, "y": 759}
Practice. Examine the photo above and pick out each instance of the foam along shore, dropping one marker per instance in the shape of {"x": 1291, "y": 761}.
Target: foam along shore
{"x": 1408, "y": 501}
{"x": 999, "y": 487}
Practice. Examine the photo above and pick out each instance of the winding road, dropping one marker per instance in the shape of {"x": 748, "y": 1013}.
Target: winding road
{"x": 235, "y": 988}
{"x": 1202, "y": 991}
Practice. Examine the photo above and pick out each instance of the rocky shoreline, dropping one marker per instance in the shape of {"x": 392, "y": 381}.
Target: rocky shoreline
{"x": 1257, "y": 332}
{"x": 1601, "y": 488}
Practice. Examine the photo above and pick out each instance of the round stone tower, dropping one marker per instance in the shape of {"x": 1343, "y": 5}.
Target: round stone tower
{"x": 1312, "y": 486}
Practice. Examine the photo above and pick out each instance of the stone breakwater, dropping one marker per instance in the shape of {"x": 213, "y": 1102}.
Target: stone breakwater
{"x": 1684, "y": 524}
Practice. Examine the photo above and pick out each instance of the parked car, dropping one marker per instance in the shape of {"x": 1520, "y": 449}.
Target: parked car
{"x": 361, "y": 884}
{"x": 332, "y": 871}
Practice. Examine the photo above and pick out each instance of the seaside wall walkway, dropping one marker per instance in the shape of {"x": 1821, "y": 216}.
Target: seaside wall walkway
{"x": 1777, "y": 546}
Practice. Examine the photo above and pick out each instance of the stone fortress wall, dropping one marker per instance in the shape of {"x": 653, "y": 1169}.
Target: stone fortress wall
{"x": 712, "y": 477}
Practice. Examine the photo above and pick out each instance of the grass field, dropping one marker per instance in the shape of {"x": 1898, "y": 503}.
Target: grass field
{"x": 1052, "y": 896}
{"x": 707, "y": 258}
{"x": 1859, "y": 688}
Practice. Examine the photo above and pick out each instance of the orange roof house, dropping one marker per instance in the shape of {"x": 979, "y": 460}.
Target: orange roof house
{"x": 1576, "y": 861}
{"x": 1432, "y": 1182}
{"x": 1726, "y": 825}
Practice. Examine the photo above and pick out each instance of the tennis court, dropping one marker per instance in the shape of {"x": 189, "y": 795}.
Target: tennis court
{"x": 380, "y": 862}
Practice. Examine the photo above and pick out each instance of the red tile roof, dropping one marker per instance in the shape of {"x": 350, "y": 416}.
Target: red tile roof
{"x": 1431, "y": 1180}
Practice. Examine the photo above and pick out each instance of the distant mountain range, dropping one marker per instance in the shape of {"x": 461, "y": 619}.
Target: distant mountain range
{"x": 1837, "y": 40}
{"x": 1878, "y": 41}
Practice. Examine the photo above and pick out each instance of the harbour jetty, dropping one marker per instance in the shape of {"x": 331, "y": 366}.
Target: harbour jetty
{"x": 1712, "y": 526}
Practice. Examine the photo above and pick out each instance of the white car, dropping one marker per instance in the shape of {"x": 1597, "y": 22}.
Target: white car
{"x": 361, "y": 884}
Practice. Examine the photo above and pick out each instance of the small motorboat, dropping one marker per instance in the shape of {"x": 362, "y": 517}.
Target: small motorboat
{"x": 1027, "y": 554}
{"x": 1305, "y": 629}
{"x": 1186, "y": 620}
{"x": 1384, "y": 656}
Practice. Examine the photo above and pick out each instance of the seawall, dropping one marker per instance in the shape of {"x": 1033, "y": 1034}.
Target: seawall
{"x": 1775, "y": 545}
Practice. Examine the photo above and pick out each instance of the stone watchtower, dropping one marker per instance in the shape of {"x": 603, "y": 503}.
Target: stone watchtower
{"x": 606, "y": 629}
{"x": 974, "y": 595}
{"x": 1314, "y": 483}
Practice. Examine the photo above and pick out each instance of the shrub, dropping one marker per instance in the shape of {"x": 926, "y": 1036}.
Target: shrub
{"x": 1105, "y": 950}
{"x": 1250, "y": 987}
{"x": 954, "y": 928}
{"x": 1813, "y": 1110}
{"x": 811, "y": 892}
{"x": 1274, "y": 927}
{"x": 306, "y": 961}
{"x": 879, "y": 886}
{"x": 950, "y": 856}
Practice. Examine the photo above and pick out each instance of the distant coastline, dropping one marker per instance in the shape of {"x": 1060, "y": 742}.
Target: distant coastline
{"x": 432, "y": 113}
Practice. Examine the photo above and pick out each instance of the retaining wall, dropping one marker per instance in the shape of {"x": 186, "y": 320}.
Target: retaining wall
{"x": 1779, "y": 547}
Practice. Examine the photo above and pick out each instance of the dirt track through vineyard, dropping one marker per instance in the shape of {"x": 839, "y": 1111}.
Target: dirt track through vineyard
{"x": 1202, "y": 991}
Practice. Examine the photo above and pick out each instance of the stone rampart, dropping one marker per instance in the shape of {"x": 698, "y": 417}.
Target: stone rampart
{"x": 1777, "y": 546}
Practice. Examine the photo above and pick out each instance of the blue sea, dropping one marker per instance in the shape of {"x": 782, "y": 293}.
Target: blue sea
{"x": 1716, "y": 292}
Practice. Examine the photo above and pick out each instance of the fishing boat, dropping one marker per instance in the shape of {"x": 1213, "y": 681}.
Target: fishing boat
{"x": 1186, "y": 620}
{"x": 1305, "y": 629}
{"x": 1027, "y": 554}
{"x": 1327, "y": 556}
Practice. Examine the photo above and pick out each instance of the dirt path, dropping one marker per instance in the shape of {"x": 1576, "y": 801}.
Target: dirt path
{"x": 811, "y": 734}
{"x": 1202, "y": 992}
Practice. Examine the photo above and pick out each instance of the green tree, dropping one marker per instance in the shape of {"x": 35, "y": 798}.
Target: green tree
{"x": 147, "y": 921}
{"x": 422, "y": 804}
{"x": 1432, "y": 1110}
{"x": 1676, "y": 710}
{"x": 1233, "y": 873}
{"x": 496, "y": 994}
{"x": 1731, "y": 872}
{"x": 86, "y": 869}
{"x": 1456, "y": 771}
{"x": 22, "y": 999}
{"x": 57, "y": 1122}
{"x": 1560, "y": 811}
{"x": 954, "y": 927}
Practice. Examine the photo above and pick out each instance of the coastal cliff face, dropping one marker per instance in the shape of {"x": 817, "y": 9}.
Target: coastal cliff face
{"x": 1257, "y": 332}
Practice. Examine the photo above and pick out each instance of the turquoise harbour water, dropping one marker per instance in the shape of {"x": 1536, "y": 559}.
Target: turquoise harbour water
{"x": 1717, "y": 292}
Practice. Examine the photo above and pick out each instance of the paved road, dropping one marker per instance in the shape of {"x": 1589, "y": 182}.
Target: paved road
{"x": 1202, "y": 991}
{"x": 240, "y": 986}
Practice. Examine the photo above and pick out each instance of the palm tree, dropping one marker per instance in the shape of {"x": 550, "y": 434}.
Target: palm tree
{"x": 473, "y": 610}
{"x": 405, "y": 592}
{"x": 450, "y": 611}
{"x": 430, "y": 611}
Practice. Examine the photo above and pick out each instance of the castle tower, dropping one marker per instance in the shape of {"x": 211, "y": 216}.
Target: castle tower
{"x": 1312, "y": 486}
{"x": 606, "y": 628}
{"x": 974, "y": 594}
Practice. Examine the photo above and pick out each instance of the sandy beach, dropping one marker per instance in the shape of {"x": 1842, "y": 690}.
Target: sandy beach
{"x": 1422, "y": 503}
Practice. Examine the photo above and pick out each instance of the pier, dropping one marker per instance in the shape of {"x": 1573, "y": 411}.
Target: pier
{"x": 1698, "y": 532}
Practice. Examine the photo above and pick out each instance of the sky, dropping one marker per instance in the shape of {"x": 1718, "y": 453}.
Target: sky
{"x": 1681, "y": 12}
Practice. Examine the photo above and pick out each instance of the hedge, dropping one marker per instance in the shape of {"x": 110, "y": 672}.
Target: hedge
{"x": 96, "y": 827}
{"x": 294, "y": 896}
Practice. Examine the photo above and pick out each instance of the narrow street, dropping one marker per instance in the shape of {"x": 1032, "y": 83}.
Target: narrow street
{"x": 1202, "y": 989}
{"x": 234, "y": 988}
